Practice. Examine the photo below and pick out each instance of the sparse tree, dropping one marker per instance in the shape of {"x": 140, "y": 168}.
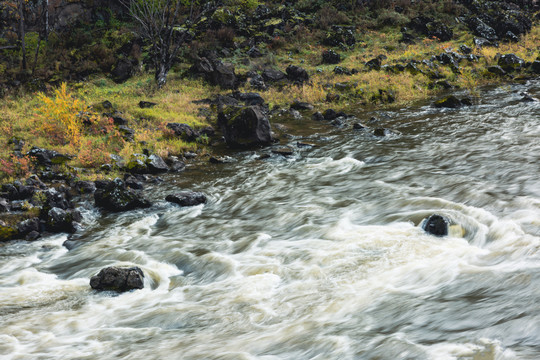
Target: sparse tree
{"x": 159, "y": 23}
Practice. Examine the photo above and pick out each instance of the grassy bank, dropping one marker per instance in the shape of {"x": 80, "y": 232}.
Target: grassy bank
{"x": 76, "y": 125}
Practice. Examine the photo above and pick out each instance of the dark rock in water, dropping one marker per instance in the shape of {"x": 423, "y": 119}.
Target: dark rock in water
{"x": 156, "y": 164}
{"x": 496, "y": 69}
{"x": 510, "y": 62}
{"x": 133, "y": 183}
{"x": 330, "y": 114}
{"x": 330, "y": 57}
{"x": 146, "y": 104}
{"x": 27, "y": 226}
{"x": 220, "y": 160}
{"x": 283, "y": 151}
{"x": 436, "y": 225}
{"x": 32, "y": 235}
{"x": 527, "y": 97}
{"x": 184, "y": 131}
{"x": 273, "y": 75}
{"x": 59, "y": 220}
{"x": 115, "y": 197}
{"x": 70, "y": 244}
{"x": 118, "y": 279}
{"x": 177, "y": 166}
{"x": 48, "y": 157}
{"x": 318, "y": 116}
{"x": 187, "y": 198}
{"x": 299, "y": 105}
{"x": 245, "y": 127}
{"x": 452, "y": 102}
{"x": 359, "y": 126}
{"x": 382, "y": 132}
{"x": 297, "y": 74}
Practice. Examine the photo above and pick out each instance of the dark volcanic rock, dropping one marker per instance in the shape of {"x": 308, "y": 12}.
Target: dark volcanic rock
{"x": 48, "y": 157}
{"x": 27, "y": 226}
{"x": 156, "y": 164}
{"x": 123, "y": 70}
{"x": 510, "y": 62}
{"x": 496, "y": 69}
{"x": 297, "y": 74}
{"x": 479, "y": 28}
{"x": 249, "y": 98}
{"x": 273, "y": 75}
{"x": 452, "y": 102}
{"x": 187, "y": 198}
{"x": 115, "y": 197}
{"x": 436, "y": 225}
{"x": 330, "y": 57}
{"x": 215, "y": 72}
{"x": 146, "y": 104}
{"x": 59, "y": 220}
{"x": 85, "y": 187}
{"x": 118, "y": 279}
{"x": 4, "y": 205}
{"x": 299, "y": 105}
{"x": 184, "y": 131}
{"x": 245, "y": 127}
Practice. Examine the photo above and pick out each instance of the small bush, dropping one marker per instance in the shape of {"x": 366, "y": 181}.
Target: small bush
{"x": 61, "y": 117}
{"x": 328, "y": 16}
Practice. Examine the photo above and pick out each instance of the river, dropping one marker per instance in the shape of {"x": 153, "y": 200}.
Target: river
{"x": 315, "y": 256}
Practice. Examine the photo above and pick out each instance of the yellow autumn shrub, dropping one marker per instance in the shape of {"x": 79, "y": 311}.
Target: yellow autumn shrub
{"x": 61, "y": 117}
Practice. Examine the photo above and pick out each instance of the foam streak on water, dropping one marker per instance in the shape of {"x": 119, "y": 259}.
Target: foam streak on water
{"x": 316, "y": 257}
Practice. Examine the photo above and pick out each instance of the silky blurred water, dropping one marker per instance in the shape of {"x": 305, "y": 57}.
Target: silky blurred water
{"x": 315, "y": 256}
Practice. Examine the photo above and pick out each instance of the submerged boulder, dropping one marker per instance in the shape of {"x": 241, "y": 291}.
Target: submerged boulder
{"x": 436, "y": 225}
{"x": 118, "y": 279}
{"x": 187, "y": 198}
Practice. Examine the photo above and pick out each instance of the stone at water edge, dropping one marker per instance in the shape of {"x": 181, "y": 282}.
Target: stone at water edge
{"x": 118, "y": 279}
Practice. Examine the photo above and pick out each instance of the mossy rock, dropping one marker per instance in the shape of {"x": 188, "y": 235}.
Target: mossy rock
{"x": 7, "y": 232}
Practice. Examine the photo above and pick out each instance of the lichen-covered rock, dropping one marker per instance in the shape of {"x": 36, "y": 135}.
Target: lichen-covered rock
{"x": 114, "y": 196}
{"x": 48, "y": 157}
{"x": 187, "y": 198}
{"x": 511, "y": 62}
{"x": 245, "y": 127}
{"x": 118, "y": 279}
{"x": 7, "y": 232}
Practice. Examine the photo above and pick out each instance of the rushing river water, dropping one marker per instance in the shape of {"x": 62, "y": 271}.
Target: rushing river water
{"x": 315, "y": 256}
